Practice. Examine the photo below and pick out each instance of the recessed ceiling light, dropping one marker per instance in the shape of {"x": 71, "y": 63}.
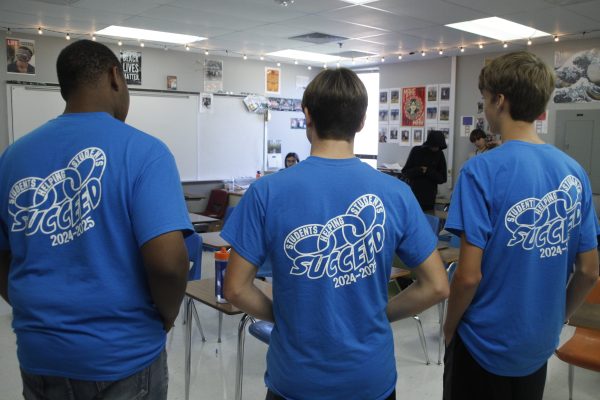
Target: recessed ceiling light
{"x": 304, "y": 55}
{"x": 498, "y": 28}
{"x": 144, "y": 34}
{"x": 358, "y": 2}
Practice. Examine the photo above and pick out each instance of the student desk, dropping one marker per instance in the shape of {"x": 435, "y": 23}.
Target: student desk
{"x": 191, "y": 195}
{"x": 204, "y": 291}
{"x": 200, "y": 219}
{"x": 214, "y": 240}
{"x": 234, "y": 197}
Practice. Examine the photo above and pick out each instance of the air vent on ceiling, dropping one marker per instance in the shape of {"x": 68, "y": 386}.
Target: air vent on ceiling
{"x": 353, "y": 54}
{"x": 319, "y": 38}
{"x": 59, "y": 2}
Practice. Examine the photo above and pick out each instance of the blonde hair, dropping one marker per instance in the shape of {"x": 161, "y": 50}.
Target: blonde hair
{"x": 524, "y": 79}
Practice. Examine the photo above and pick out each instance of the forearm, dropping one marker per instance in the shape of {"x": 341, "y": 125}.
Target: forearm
{"x": 412, "y": 300}
{"x": 578, "y": 288}
{"x": 167, "y": 291}
{"x": 461, "y": 296}
{"x": 252, "y": 301}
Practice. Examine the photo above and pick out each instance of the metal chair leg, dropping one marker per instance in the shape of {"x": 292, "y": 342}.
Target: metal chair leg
{"x": 422, "y": 338}
{"x": 188, "y": 345}
{"x": 220, "y": 325}
{"x": 571, "y": 379}
{"x": 442, "y": 310}
{"x": 197, "y": 318}
{"x": 239, "y": 373}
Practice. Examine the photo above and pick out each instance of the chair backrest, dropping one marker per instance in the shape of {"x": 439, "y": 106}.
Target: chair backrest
{"x": 217, "y": 204}
{"x": 434, "y": 222}
{"x": 450, "y": 270}
{"x": 193, "y": 243}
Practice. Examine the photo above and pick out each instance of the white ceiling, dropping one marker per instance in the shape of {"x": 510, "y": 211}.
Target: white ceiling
{"x": 385, "y": 28}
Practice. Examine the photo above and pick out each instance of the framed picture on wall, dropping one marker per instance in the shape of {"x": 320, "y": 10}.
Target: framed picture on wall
{"x": 20, "y": 56}
{"x": 272, "y": 80}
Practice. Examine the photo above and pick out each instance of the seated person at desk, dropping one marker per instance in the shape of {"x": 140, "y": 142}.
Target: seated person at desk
{"x": 92, "y": 262}
{"x": 426, "y": 169}
{"x": 479, "y": 140}
{"x": 291, "y": 159}
{"x": 331, "y": 247}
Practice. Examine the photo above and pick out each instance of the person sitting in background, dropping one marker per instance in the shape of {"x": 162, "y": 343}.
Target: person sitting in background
{"x": 291, "y": 159}
{"x": 426, "y": 169}
{"x": 479, "y": 140}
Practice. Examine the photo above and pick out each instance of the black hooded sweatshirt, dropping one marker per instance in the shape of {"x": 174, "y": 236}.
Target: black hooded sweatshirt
{"x": 424, "y": 184}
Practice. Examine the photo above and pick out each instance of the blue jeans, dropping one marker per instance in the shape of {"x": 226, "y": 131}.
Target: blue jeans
{"x": 151, "y": 383}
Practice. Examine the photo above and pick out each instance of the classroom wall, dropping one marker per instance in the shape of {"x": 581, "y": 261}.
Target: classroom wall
{"x": 238, "y": 75}
{"x": 410, "y": 73}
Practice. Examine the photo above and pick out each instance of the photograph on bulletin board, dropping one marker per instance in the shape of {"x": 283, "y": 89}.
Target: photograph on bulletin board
{"x": 405, "y": 136}
{"x": 413, "y": 106}
{"x": 395, "y": 96}
{"x": 394, "y": 134}
{"x": 432, "y": 93}
{"x": 417, "y": 136}
{"x": 394, "y": 114}
{"x": 383, "y": 115}
{"x": 272, "y": 80}
{"x": 20, "y": 56}
{"x": 383, "y": 133}
{"x": 384, "y": 97}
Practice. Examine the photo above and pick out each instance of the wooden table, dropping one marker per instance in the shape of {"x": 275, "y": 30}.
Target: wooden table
{"x": 201, "y": 219}
{"x": 214, "y": 240}
{"x": 204, "y": 291}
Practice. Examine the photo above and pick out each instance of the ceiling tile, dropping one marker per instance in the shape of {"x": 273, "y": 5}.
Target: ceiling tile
{"x": 590, "y": 9}
{"x": 196, "y": 17}
{"x": 436, "y": 11}
{"x": 376, "y": 18}
{"x": 339, "y": 28}
{"x": 170, "y": 26}
{"x": 263, "y": 11}
{"x": 555, "y": 20}
{"x": 498, "y": 8}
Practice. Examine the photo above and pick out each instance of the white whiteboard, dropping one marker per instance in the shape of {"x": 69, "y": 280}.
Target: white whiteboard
{"x": 231, "y": 142}
{"x": 173, "y": 118}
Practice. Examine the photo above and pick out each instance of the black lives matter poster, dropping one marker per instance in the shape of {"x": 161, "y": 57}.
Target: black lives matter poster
{"x": 132, "y": 66}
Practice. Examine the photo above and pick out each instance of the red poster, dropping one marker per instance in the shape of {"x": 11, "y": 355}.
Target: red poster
{"x": 413, "y": 106}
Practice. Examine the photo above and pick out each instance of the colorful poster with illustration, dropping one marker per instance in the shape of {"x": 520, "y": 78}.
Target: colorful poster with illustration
{"x": 413, "y": 106}
{"x": 272, "y": 80}
{"x": 20, "y": 56}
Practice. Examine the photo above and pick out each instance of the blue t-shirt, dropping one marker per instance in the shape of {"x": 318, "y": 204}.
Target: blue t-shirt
{"x": 529, "y": 207}
{"x": 79, "y": 196}
{"x": 330, "y": 229}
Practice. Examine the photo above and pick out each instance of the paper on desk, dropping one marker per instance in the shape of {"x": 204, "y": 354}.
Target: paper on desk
{"x": 394, "y": 166}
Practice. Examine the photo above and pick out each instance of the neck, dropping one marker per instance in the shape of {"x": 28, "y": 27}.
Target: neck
{"x": 84, "y": 102}
{"x": 519, "y": 130}
{"x": 328, "y": 148}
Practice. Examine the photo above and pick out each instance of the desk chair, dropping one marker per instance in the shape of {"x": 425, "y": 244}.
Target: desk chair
{"x": 583, "y": 349}
{"x": 193, "y": 243}
{"x": 260, "y": 330}
{"x": 217, "y": 204}
{"x": 443, "y": 308}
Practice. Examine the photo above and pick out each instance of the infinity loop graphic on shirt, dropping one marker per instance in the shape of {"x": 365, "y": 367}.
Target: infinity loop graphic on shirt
{"x": 62, "y": 199}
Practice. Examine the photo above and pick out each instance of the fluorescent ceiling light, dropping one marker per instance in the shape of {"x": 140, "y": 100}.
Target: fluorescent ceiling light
{"x": 304, "y": 55}
{"x": 144, "y": 34}
{"x": 359, "y": 2}
{"x": 498, "y": 28}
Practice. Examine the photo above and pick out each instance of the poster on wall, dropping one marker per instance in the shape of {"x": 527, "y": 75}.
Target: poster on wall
{"x": 384, "y": 97}
{"x": 394, "y": 114}
{"x": 445, "y": 93}
{"x": 132, "y": 66}
{"x": 383, "y": 133}
{"x": 383, "y": 115}
{"x": 213, "y": 75}
{"x": 272, "y": 80}
{"x": 394, "y": 134}
{"x": 395, "y": 96}
{"x": 417, "y": 136}
{"x": 467, "y": 124}
{"x": 432, "y": 93}
{"x": 206, "y": 102}
{"x": 577, "y": 76}
{"x": 297, "y": 123}
{"x": 413, "y": 106}
{"x": 171, "y": 82}
{"x": 432, "y": 114}
{"x": 444, "y": 114}
{"x": 445, "y": 128}
{"x": 405, "y": 136}
{"x": 20, "y": 56}
{"x": 541, "y": 124}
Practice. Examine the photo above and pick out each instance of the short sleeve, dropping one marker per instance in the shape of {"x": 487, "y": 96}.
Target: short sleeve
{"x": 418, "y": 240}
{"x": 245, "y": 228}
{"x": 469, "y": 210}
{"x": 590, "y": 229}
{"x": 157, "y": 204}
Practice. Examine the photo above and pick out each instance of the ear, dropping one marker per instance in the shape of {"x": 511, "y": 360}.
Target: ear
{"x": 116, "y": 78}
{"x": 307, "y": 117}
{"x": 362, "y": 123}
{"x": 500, "y": 101}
